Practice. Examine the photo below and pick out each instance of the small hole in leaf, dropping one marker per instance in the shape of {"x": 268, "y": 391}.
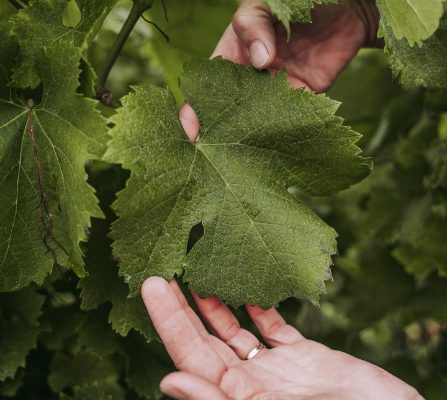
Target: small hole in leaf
{"x": 195, "y": 235}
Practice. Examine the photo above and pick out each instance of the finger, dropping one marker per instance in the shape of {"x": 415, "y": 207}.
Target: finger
{"x": 193, "y": 317}
{"x": 272, "y": 327}
{"x": 185, "y": 386}
{"x": 186, "y": 346}
{"x": 228, "y": 356}
{"x": 189, "y": 121}
{"x": 253, "y": 23}
{"x": 230, "y": 48}
{"x": 226, "y": 326}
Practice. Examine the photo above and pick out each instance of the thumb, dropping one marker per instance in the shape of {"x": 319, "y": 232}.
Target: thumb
{"x": 186, "y": 386}
{"x": 253, "y": 23}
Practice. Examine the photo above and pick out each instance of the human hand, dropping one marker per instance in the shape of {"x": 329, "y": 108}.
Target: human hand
{"x": 315, "y": 53}
{"x": 313, "y": 56}
{"x": 215, "y": 366}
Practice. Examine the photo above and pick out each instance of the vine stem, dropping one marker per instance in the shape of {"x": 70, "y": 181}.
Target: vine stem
{"x": 137, "y": 10}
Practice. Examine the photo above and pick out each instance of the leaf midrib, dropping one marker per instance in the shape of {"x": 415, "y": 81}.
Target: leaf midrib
{"x": 248, "y": 216}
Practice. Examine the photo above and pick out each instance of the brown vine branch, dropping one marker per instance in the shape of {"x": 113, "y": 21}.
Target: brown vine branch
{"x": 44, "y": 215}
{"x": 137, "y": 10}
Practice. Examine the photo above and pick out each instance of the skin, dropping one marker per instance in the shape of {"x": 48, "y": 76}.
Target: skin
{"x": 293, "y": 367}
{"x": 313, "y": 57}
{"x": 215, "y": 366}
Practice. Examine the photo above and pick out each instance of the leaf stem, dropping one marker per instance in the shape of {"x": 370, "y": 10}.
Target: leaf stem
{"x": 137, "y": 10}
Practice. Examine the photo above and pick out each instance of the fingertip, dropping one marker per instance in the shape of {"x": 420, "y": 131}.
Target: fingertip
{"x": 154, "y": 286}
{"x": 168, "y": 382}
{"x": 253, "y": 310}
{"x": 254, "y": 26}
{"x": 189, "y": 121}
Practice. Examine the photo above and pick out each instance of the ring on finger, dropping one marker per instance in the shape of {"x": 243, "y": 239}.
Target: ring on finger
{"x": 254, "y": 351}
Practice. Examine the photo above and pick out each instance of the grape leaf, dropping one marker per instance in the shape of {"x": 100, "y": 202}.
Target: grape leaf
{"x": 40, "y": 26}
{"x": 418, "y": 247}
{"x": 83, "y": 368}
{"x": 94, "y": 390}
{"x": 387, "y": 282}
{"x": 418, "y": 66}
{"x": 146, "y": 365}
{"x": 412, "y": 223}
{"x": 19, "y": 328}
{"x": 46, "y": 202}
{"x": 258, "y": 137}
{"x": 103, "y": 284}
{"x": 412, "y": 20}
{"x": 288, "y": 11}
{"x": 10, "y": 386}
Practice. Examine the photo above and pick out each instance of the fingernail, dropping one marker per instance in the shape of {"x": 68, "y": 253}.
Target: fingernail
{"x": 258, "y": 54}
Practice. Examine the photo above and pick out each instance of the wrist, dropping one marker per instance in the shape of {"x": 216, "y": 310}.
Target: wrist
{"x": 369, "y": 15}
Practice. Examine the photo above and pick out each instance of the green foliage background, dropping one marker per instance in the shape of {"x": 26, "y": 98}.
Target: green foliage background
{"x": 82, "y": 337}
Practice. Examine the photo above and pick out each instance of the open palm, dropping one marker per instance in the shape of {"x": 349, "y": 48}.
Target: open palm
{"x": 215, "y": 366}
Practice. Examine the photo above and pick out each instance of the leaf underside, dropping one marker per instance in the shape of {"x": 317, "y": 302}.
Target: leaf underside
{"x": 415, "y": 21}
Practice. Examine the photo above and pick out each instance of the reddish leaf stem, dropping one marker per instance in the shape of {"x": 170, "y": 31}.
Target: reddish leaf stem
{"x": 44, "y": 215}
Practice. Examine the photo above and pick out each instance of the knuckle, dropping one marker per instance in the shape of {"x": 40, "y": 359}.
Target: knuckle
{"x": 239, "y": 22}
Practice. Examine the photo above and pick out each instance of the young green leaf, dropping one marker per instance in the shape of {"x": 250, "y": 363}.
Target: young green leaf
{"x": 46, "y": 201}
{"x": 412, "y": 20}
{"x": 72, "y": 14}
{"x": 289, "y": 11}
{"x": 258, "y": 138}
{"x": 418, "y": 66}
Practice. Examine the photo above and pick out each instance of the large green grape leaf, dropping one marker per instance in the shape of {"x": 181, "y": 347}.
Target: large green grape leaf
{"x": 418, "y": 65}
{"x": 102, "y": 284}
{"x": 146, "y": 365}
{"x": 412, "y": 20}
{"x": 288, "y": 11}
{"x": 83, "y": 368}
{"x": 46, "y": 201}
{"x": 258, "y": 138}
{"x": 40, "y": 26}
{"x": 411, "y": 218}
{"x": 188, "y": 20}
{"x": 19, "y": 328}
{"x": 102, "y": 389}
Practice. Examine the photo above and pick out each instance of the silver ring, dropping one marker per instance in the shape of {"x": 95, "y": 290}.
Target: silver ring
{"x": 254, "y": 351}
